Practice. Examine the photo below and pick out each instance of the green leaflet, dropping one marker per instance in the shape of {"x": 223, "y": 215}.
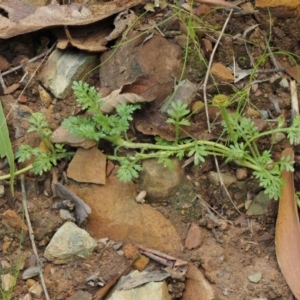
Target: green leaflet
{"x": 5, "y": 147}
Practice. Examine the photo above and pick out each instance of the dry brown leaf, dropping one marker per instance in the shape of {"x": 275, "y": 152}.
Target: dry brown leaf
{"x": 92, "y": 42}
{"x": 23, "y": 18}
{"x": 287, "y": 237}
{"x": 142, "y": 89}
{"x": 122, "y": 21}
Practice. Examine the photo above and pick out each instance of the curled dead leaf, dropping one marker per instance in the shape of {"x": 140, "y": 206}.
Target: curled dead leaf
{"x": 287, "y": 237}
{"x": 142, "y": 89}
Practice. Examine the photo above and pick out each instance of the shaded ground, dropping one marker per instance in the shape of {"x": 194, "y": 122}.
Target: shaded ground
{"x": 231, "y": 250}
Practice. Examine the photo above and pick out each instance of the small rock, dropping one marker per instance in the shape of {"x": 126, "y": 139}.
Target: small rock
{"x": 223, "y": 225}
{"x": 221, "y": 72}
{"x": 26, "y": 297}
{"x": 1, "y": 190}
{"x": 69, "y": 243}
{"x": 140, "y": 198}
{"x": 194, "y": 237}
{"x": 62, "y": 136}
{"x": 14, "y": 220}
{"x": 196, "y": 286}
{"x": 241, "y": 173}
{"x": 80, "y": 295}
{"x": 36, "y": 290}
{"x": 62, "y": 67}
{"x": 44, "y": 96}
{"x": 255, "y": 277}
{"x": 141, "y": 263}
{"x": 31, "y": 272}
{"x": 277, "y": 137}
{"x": 88, "y": 165}
{"x": 159, "y": 181}
{"x": 148, "y": 291}
{"x": 30, "y": 282}
{"x": 259, "y": 204}
{"x": 7, "y": 282}
{"x": 66, "y": 215}
{"x": 228, "y": 179}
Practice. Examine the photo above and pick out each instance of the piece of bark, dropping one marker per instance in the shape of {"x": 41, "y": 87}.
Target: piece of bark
{"x": 82, "y": 210}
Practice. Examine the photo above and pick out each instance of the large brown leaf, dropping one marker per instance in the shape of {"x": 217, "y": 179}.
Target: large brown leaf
{"x": 287, "y": 237}
{"x": 22, "y": 18}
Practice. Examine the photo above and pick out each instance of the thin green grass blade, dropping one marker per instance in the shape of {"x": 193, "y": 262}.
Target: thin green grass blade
{"x": 5, "y": 147}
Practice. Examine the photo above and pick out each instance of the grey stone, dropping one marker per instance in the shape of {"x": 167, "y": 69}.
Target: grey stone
{"x": 31, "y": 272}
{"x": 63, "y": 67}
{"x": 228, "y": 179}
{"x": 255, "y": 277}
{"x": 259, "y": 204}
{"x": 69, "y": 243}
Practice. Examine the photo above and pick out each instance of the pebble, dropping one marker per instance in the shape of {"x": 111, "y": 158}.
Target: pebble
{"x": 278, "y": 137}
{"x": 241, "y": 173}
{"x": 30, "y": 272}
{"x": 140, "y": 198}
{"x": 45, "y": 97}
{"x": 194, "y": 238}
{"x": 36, "y": 290}
{"x": 255, "y": 277}
{"x": 221, "y": 72}
{"x": 8, "y": 282}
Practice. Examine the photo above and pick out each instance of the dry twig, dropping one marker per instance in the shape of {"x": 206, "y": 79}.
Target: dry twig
{"x": 31, "y": 236}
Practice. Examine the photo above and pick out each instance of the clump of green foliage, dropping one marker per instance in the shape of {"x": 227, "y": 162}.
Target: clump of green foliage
{"x": 50, "y": 154}
{"x": 240, "y": 147}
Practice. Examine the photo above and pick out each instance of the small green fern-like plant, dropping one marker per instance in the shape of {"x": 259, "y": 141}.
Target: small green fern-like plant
{"x": 241, "y": 147}
{"x": 46, "y": 156}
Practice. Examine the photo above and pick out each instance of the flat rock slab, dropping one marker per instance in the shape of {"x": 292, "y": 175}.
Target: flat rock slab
{"x": 88, "y": 165}
{"x": 62, "y": 68}
{"x": 69, "y": 243}
{"x": 153, "y": 290}
{"x": 116, "y": 215}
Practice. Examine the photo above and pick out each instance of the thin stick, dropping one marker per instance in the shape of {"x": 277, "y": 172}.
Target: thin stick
{"x": 208, "y": 69}
{"x": 209, "y": 208}
{"x": 31, "y": 236}
{"x": 2, "y": 82}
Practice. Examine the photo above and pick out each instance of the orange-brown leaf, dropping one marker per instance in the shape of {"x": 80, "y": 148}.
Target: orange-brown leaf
{"x": 287, "y": 237}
